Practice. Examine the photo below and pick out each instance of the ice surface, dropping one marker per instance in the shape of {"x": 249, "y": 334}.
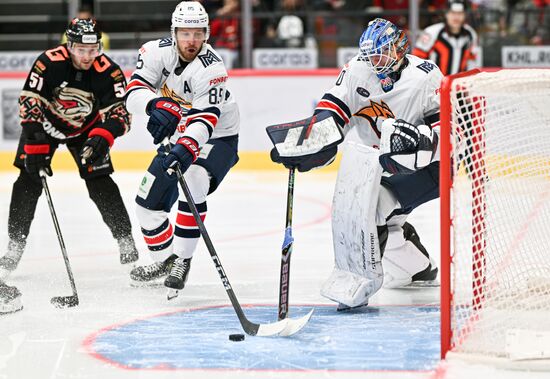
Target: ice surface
{"x": 246, "y": 223}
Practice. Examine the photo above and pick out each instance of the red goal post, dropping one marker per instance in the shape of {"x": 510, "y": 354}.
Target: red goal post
{"x": 495, "y": 214}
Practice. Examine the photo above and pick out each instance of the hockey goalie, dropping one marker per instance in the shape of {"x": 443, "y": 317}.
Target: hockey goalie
{"x": 386, "y": 102}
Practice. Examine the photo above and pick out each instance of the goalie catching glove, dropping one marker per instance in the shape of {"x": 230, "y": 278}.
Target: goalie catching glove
{"x": 405, "y": 148}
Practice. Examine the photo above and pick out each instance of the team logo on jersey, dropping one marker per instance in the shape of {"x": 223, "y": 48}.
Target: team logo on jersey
{"x": 40, "y": 67}
{"x": 208, "y": 58}
{"x": 165, "y": 42}
{"x": 363, "y": 92}
{"x": 168, "y": 92}
{"x": 426, "y": 66}
{"x": 117, "y": 75}
{"x": 72, "y": 105}
{"x": 387, "y": 84}
{"x": 375, "y": 114}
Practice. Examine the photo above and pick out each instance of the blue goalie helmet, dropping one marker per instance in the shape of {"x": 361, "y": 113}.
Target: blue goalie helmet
{"x": 383, "y": 46}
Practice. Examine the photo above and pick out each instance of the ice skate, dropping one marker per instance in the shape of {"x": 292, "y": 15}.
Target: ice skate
{"x": 178, "y": 276}
{"x": 428, "y": 276}
{"x": 150, "y": 274}
{"x": 10, "y": 299}
{"x": 344, "y": 308}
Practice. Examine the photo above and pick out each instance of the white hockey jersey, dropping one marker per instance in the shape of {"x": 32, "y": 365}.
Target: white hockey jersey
{"x": 199, "y": 86}
{"x": 358, "y": 99}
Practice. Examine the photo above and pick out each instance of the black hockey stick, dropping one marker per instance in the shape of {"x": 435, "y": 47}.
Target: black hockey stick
{"x": 287, "y": 249}
{"x": 60, "y": 301}
{"x": 284, "y": 327}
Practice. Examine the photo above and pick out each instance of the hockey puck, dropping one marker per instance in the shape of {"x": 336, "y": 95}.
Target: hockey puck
{"x": 236, "y": 337}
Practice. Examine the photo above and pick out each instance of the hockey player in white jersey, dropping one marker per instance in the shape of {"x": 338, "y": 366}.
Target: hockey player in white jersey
{"x": 389, "y": 100}
{"x": 181, "y": 84}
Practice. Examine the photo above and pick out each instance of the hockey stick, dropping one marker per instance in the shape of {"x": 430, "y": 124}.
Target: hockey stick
{"x": 284, "y": 327}
{"x": 287, "y": 249}
{"x": 60, "y": 301}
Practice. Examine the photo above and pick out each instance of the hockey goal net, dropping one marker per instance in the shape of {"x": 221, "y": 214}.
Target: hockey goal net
{"x": 495, "y": 215}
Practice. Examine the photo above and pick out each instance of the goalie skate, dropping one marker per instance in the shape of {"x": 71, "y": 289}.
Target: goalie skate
{"x": 178, "y": 277}
{"x": 10, "y": 299}
{"x": 151, "y": 275}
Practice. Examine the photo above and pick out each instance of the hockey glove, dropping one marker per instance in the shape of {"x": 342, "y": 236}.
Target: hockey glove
{"x": 96, "y": 146}
{"x": 164, "y": 117}
{"x": 405, "y": 148}
{"x": 185, "y": 152}
{"x": 37, "y": 157}
{"x": 306, "y": 162}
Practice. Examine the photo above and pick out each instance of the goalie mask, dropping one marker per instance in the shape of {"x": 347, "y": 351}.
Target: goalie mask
{"x": 383, "y": 46}
{"x": 190, "y": 14}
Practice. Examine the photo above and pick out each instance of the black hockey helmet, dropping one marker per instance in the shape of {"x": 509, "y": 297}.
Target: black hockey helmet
{"x": 457, "y": 5}
{"x": 83, "y": 31}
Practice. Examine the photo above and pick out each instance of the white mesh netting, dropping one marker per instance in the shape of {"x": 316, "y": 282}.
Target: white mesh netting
{"x": 500, "y": 270}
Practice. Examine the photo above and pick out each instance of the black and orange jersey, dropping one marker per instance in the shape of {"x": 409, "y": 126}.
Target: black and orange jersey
{"x": 451, "y": 52}
{"x": 67, "y": 102}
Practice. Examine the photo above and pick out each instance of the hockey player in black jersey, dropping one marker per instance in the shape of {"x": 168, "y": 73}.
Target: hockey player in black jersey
{"x": 73, "y": 95}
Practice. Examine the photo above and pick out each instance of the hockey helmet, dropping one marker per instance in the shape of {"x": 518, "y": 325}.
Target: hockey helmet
{"x": 383, "y": 46}
{"x": 190, "y": 14}
{"x": 83, "y": 31}
{"x": 457, "y": 6}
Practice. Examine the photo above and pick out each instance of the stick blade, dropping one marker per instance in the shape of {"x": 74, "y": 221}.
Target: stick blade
{"x": 63, "y": 302}
{"x": 295, "y": 325}
{"x": 273, "y": 329}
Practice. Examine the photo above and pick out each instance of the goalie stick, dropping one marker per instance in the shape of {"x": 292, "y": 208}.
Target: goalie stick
{"x": 284, "y": 281}
{"x": 286, "y": 327}
{"x": 60, "y": 301}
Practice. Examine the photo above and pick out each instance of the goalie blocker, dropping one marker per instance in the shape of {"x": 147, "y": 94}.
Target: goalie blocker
{"x": 306, "y": 144}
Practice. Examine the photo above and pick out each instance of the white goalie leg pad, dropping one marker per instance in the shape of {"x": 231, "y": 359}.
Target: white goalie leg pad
{"x": 402, "y": 259}
{"x": 358, "y": 270}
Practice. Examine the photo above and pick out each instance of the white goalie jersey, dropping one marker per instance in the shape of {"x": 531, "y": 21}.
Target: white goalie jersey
{"x": 199, "y": 86}
{"x": 359, "y": 99}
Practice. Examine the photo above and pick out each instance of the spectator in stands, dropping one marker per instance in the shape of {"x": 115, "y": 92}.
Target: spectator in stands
{"x": 288, "y": 30}
{"x": 542, "y": 31}
{"x": 85, "y": 13}
{"x": 450, "y": 44}
{"x": 225, "y": 27}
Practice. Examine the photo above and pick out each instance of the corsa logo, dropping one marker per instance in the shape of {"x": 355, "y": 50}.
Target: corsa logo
{"x": 375, "y": 114}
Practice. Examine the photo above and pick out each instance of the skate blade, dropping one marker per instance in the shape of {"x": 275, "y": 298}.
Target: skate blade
{"x": 345, "y": 308}
{"x": 150, "y": 284}
{"x": 172, "y": 294}
{"x": 424, "y": 284}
